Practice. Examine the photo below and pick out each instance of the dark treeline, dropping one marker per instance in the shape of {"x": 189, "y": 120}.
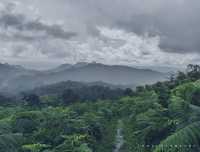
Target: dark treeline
{"x": 83, "y": 94}
{"x": 65, "y": 93}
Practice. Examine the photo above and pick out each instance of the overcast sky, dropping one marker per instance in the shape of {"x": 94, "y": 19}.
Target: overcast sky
{"x": 46, "y": 33}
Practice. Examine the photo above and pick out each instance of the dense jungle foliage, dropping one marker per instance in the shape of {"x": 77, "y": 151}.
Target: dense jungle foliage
{"x": 163, "y": 117}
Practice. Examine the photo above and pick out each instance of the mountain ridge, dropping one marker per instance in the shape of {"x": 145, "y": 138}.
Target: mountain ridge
{"x": 19, "y": 79}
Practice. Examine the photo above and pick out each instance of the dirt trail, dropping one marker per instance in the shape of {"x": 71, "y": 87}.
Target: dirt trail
{"x": 119, "y": 137}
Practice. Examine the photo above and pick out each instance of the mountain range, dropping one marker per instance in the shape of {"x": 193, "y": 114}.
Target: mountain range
{"x": 17, "y": 78}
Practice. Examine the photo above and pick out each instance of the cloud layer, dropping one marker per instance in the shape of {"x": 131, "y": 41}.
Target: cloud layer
{"x": 130, "y": 32}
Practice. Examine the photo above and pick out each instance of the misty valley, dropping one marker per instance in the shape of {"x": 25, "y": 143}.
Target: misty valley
{"x": 44, "y": 111}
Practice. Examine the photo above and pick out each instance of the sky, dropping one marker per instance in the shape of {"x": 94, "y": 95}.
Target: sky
{"x": 42, "y": 34}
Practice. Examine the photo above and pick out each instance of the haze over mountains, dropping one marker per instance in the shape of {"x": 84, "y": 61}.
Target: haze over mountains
{"x": 16, "y": 78}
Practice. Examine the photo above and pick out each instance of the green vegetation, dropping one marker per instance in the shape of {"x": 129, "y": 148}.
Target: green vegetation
{"x": 163, "y": 117}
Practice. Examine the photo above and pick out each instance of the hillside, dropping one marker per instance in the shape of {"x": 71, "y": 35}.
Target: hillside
{"x": 59, "y": 87}
{"x": 16, "y": 79}
{"x": 11, "y": 72}
{"x": 79, "y": 91}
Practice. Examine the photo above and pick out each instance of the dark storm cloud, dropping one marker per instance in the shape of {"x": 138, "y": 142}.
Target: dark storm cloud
{"x": 21, "y": 24}
{"x": 55, "y": 31}
{"x": 175, "y": 21}
{"x": 179, "y": 34}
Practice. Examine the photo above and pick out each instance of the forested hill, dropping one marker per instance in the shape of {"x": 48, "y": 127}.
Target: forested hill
{"x": 58, "y": 88}
{"x": 16, "y": 78}
{"x": 163, "y": 117}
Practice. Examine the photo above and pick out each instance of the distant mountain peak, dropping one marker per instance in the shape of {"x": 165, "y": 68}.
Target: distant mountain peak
{"x": 80, "y": 64}
{"x": 9, "y": 66}
{"x": 67, "y": 66}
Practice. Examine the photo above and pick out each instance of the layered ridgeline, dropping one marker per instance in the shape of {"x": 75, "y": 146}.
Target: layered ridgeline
{"x": 162, "y": 117}
{"x": 17, "y": 78}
